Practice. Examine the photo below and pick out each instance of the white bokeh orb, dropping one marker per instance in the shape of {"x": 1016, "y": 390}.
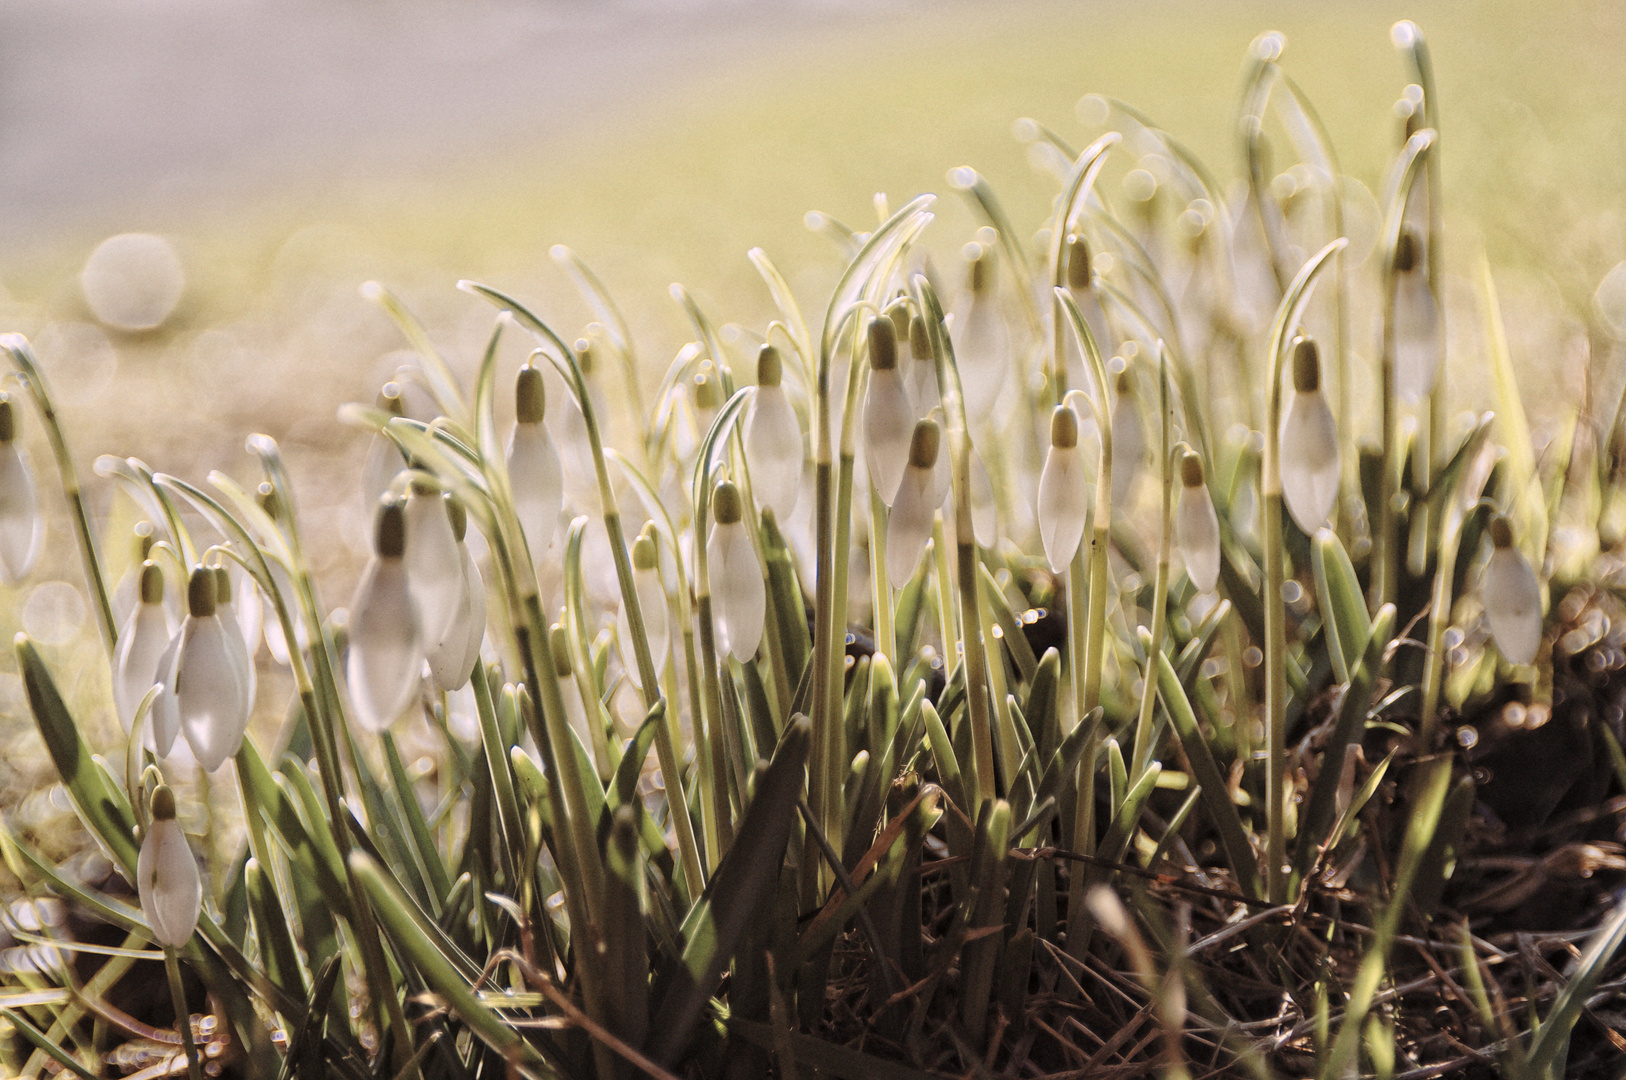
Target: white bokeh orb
{"x": 133, "y": 281}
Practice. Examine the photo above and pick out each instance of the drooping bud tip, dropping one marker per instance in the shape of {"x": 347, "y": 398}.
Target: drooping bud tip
{"x": 530, "y": 398}
{"x": 770, "y": 367}
{"x": 1501, "y": 533}
{"x": 1078, "y": 263}
{"x": 883, "y": 344}
{"x": 644, "y": 552}
{"x": 725, "y": 503}
{"x": 389, "y": 530}
{"x": 1191, "y": 469}
{"x": 8, "y": 420}
{"x": 200, "y": 592}
{"x": 924, "y": 444}
{"x": 1306, "y": 366}
{"x": 152, "y": 583}
{"x": 1063, "y": 428}
{"x": 222, "y": 585}
{"x": 163, "y": 803}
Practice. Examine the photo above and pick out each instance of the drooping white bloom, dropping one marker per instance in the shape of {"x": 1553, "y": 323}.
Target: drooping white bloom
{"x": 646, "y": 582}
{"x": 982, "y": 343}
{"x": 250, "y": 609}
{"x": 739, "y": 597}
{"x": 231, "y": 619}
{"x": 167, "y": 875}
{"x": 920, "y": 494}
{"x": 1063, "y": 505}
{"x": 451, "y": 659}
{"x": 533, "y": 465}
{"x": 210, "y": 694}
{"x": 1512, "y": 597}
{"x": 385, "y": 662}
{"x": 144, "y": 639}
{"x": 1081, "y": 285}
{"x": 773, "y": 439}
{"x": 433, "y": 567}
{"x": 21, "y": 527}
{"x": 1129, "y": 444}
{"x": 164, "y": 721}
{"x": 889, "y": 415}
{"x": 127, "y": 593}
{"x": 384, "y": 461}
{"x": 1419, "y": 341}
{"x": 916, "y": 359}
{"x": 1196, "y": 526}
{"x": 1309, "y": 444}
{"x": 275, "y": 643}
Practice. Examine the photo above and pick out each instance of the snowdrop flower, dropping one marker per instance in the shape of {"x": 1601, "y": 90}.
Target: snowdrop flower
{"x": 1081, "y": 284}
{"x": 1063, "y": 492}
{"x": 921, "y": 365}
{"x": 1419, "y": 340}
{"x": 210, "y": 693}
{"x": 533, "y": 465}
{"x": 889, "y": 415}
{"x": 452, "y": 658}
{"x": 739, "y": 596}
{"x": 167, "y": 875}
{"x": 1512, "y": 597}
{"x": 385, "y": 661}
{"x": 164, "y": 721}
{"x": 275, "y": 644}
{"x": 920, "y": 494}
{"x": 646, "y": 581}
{"x": 773, "y": 439}
{"x": 433, "y": 567}
{"x": 21, "y": 527}
{"x": 1196, "y": 526}
{"x": 1128, "y": 442}
{"x": 384, "y": 461}
{"x": 1308, "y": 450}
{"x": 143, "y": 640}
{"x": 983, "y": 344}
{"x": 229, "y": 617}
{"x": 127, "y": 593}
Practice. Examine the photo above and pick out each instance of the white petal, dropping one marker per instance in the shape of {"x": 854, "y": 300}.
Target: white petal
{"x": 386, "y": 649}
{"x": 209, "y": 692}
{"x": 248, "y": 677}
{"x": 1063, "y": 506}
{"x": 164, "y": 722}
{"x": 1128, "y": 450}
{"x": 1309, "y": 460}
{"x": 652, "y": 606}
{"x": 1089, "y": 304}
{"x": 909, "y": 525}
{"x": 21, "y": 527}
{"x": 274, "y": 641}
{"x": 378, "y": 471}
{"x": 433, "y": 567}
{"x": 538, "y": 485}
{"x": 889, "y": 422}
{"x": 1418, "y": 340}
{"x": 447, "y": 656}
{"x": 739, "y": 597}
{"x": 250, "y": 608}
{"x": 773, "y": 447}
{"x": 982, "y": 350}
{"x": 1513, "y": 605}
{"x": 167, "y": 881}
{"x": 1196, "y": 527}
{"x": 144, "y": 639}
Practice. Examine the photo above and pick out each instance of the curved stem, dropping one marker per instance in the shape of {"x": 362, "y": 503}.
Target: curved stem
{"x": 183, "y": 1016}
{"x": 22, "y": 357}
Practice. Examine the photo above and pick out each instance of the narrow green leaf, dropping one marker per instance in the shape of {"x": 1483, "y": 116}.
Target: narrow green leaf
{"x": 1216, "y": 799}
{"x": 394, "y": 912}
{"x": 104, "y": 813}
{"x": 1343, "y": 607}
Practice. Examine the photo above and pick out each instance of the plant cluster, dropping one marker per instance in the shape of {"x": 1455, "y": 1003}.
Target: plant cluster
{"x": 953, "y": 698}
